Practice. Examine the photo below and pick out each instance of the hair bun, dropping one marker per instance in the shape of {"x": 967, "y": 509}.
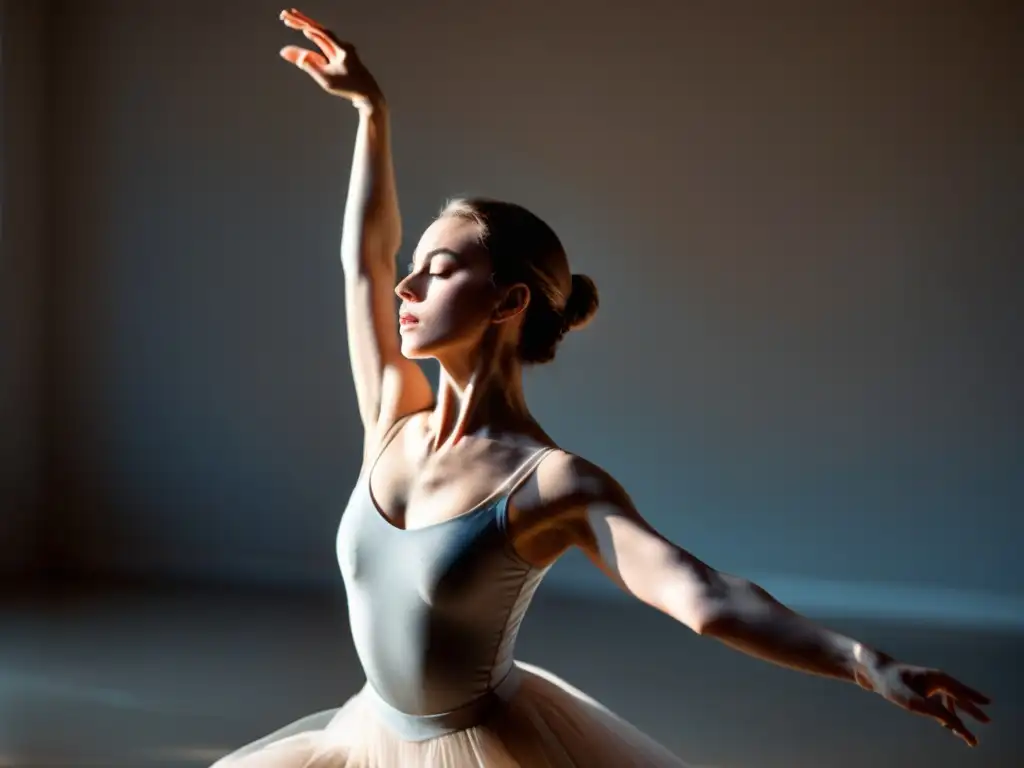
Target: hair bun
{"x": 582, "y": 303}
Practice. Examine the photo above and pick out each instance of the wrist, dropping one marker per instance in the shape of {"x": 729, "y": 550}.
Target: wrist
{"x": 371, "y": 105}
{"x": 868, "y": 666}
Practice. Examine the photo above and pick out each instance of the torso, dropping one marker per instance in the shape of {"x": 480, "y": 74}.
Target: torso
{"x": 436, "y": 583}
{"x": 414, "y": 488}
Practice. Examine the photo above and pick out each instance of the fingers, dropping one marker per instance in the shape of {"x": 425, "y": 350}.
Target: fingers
{"x": 296, "y": 20}
{"x": 969, "y": 738}
{"x": 962, "y": 696}
{"x": 325, "y": 43}
{"x": 296, "y": 14}
{"x": 949, "y": 720}
{"x": 961, "y": 691}
{"x": 951, "y": 706}
{"x": 947, "y": 717}
{"x": 934, "y": 694}
{"x": 973, "y": 710}
{"x": 953, "y": 703}
{"x": 324, "y": 38}
{"x": 303, "y": 58}
{"x": 310, "y": 62}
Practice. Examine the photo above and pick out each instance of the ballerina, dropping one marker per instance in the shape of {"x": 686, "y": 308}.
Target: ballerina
{"x": 463, "y": 502}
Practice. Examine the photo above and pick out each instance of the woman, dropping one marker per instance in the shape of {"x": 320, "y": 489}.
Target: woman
{"x": 464, "y": 502}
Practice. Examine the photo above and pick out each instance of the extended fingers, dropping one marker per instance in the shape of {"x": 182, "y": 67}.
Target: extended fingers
{"x": 973, "y": 710}
{"x": 947, "y": 717}
{"x": 952, "y": 721}
{"x": 964, "y": 697}
{"x": 296, "y": 20}
{"x": 963, "y": 692}
{"x": 323, "y": 42}
{"x": 302, "y": 57}
{"x": 299, "y": 16}
{"x": 324, "y": 38}
{"x": 309, "y": 62}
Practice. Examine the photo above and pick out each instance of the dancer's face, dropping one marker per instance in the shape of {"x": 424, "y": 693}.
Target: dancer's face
{"x": 448, "y": 297}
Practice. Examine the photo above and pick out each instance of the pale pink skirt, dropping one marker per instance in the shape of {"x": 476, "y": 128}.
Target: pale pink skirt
{"x": 546, "y": 723}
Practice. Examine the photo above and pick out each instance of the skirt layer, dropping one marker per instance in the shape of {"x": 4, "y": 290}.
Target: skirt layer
{"x": 547, "y": 723}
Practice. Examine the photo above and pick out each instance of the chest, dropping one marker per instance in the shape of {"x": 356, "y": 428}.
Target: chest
{"x": 447, "y": 567}
{"x": 411, "y": 488}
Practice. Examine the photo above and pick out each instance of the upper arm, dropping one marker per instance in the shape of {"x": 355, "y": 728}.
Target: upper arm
{"x": 387, "y": 384}
{"x": 615, "y": 537}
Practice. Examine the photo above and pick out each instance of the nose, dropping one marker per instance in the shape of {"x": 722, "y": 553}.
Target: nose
{"x": 405, "y": 288}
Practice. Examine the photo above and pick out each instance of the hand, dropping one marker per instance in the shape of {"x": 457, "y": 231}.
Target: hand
{"x": 928, "y": 692}
{"x": 338, "y": 70}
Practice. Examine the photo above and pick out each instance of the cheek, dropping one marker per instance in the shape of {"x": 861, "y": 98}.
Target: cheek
{"x": 453, "y": 314}
{"x": 459, "y": 303}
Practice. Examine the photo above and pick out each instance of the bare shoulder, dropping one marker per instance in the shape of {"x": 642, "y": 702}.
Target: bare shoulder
{"x": 582, "y": 501}
{"x": 564, "y": 505}
{"x": 566, "y": 480}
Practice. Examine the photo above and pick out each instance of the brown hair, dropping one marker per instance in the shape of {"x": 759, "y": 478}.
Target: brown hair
{"x": 524, "y": 249}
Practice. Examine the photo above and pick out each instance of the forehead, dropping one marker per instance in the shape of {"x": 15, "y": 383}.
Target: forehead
{"x": 458, "y": 235}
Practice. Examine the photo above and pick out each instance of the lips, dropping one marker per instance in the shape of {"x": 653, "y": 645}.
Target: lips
{"x": 407, "y": 318}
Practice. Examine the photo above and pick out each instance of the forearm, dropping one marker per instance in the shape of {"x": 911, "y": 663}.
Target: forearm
{"x": 372, "y": 229}
{"x": 749, "y": 619}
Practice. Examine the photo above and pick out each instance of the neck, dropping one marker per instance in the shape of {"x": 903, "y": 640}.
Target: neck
{"x": 479, "y": 395}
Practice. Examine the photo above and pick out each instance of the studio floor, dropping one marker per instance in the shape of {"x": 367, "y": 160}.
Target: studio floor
{"x": 132, "y": 677}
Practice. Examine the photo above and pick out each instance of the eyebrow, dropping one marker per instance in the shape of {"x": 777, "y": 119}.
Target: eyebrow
{"x": 437, "y": 252}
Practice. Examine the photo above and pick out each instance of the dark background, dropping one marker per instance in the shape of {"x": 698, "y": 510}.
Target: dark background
{"x": 805, "y": 219}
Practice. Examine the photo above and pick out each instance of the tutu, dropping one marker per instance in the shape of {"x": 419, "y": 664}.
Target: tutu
{"x": 546, "y": 723}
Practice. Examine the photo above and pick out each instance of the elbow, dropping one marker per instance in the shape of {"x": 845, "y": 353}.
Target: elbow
{"x": 721, "y": 605}
{"x": 703, "y": 604}
{"x": 711, "y": 617}
{"x": 737, "y": 605}
{"x": 719, "y": 624}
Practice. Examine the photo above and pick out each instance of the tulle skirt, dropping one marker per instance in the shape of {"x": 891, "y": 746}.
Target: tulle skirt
{"x": 546, "y": 723}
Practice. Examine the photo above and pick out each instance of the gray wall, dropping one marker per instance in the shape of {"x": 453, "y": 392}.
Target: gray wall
{"x": 23, "y": 272}
{"x": 805, "y": 222}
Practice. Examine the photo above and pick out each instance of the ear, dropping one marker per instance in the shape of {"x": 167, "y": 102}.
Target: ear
{"x": 513, "y": 303}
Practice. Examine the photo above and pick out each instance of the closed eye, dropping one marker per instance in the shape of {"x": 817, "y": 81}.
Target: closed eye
{"x": 435, "y": 272}
{"x": 441, "y": 263}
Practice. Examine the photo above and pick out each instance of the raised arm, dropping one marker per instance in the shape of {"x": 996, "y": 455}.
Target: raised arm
{"x": 387, "y": 384}
{"x": 738, "y": 612}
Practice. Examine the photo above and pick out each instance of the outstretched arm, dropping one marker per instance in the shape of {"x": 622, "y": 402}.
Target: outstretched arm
{"x": 740, "y": 613}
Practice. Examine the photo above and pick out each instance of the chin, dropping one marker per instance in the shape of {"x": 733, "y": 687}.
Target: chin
{"x": 418, "y": 345}
{"x": 413, "y": 351}
{"x": 416, "y": 355}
